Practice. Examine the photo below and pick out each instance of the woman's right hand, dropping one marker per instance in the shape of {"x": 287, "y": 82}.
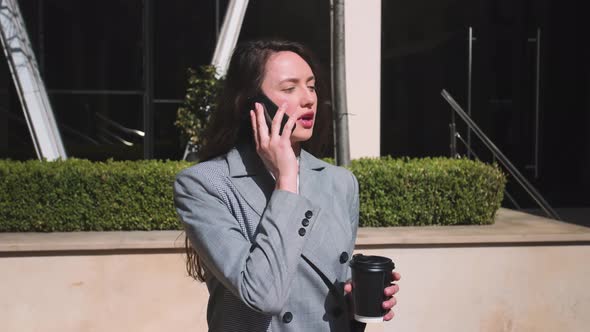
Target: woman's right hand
{"x": 389, "y": 293}
{"x": 275, "y": 150}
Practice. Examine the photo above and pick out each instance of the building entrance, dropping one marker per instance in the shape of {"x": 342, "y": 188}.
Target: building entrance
{"x": 519, "y": 67}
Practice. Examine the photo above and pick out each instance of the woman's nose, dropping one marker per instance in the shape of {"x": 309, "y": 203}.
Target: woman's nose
{"x": 308, "y": 98}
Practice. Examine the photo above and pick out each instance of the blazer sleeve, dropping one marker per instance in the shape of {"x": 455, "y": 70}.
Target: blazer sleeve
{"x": 354, "y": 207}
{"x": 258, "y": 273}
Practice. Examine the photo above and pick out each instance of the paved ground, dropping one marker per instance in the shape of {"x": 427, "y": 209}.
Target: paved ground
{"x": 578, "y": 216}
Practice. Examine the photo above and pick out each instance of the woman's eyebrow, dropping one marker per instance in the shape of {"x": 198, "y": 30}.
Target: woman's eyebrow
{"x": 295, "y": 80}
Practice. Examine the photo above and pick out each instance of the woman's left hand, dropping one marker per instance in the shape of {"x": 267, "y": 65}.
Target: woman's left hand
{"x": 388, "y": 291}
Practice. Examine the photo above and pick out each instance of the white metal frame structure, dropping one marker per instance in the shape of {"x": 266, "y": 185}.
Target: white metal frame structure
{"x": 29, "y": 85}
{"x": 228, "y": 37}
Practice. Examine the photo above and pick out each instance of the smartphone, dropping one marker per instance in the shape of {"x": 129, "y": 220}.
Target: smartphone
{"x": 270, "y": 110}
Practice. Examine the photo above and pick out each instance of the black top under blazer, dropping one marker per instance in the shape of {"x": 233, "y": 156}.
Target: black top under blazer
{"x": 274, "y": 260}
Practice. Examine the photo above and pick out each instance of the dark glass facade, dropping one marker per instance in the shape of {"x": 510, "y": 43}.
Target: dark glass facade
{"x": 92, "y": 57}
{"x": 425, "y": 48}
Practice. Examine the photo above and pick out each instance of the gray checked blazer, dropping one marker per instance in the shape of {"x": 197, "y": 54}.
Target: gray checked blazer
{"x": 274, "y": 260}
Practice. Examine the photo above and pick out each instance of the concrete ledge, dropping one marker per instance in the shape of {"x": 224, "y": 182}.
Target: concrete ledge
{"x": 511, "y": 227}
{"x": 83, "y": 241}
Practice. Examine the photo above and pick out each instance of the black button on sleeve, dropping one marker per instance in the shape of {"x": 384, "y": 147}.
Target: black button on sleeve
{"x": 305, "y": 222}
{"x": 308, "y": 214}
{"x": 302, "y": 231}
{"x": 287, "y": 317}
{"x": 343, "y": 257}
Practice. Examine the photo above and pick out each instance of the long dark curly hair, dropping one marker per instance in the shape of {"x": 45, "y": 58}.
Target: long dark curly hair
{"x": 230, "y": 126}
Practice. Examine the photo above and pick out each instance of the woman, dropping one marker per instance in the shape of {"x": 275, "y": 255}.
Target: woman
{"x": 272, "y": 226}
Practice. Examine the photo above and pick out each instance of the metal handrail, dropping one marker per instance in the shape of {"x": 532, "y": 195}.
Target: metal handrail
{"x": 528, "y": 187}
{"x": 120, "y": 127}
{"x": 471, "y": 152}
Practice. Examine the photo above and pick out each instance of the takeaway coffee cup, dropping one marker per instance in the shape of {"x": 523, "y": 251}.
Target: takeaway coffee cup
{"x": 370, "y": 276}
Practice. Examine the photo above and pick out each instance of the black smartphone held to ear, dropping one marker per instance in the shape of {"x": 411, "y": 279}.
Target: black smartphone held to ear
{"x": 270, "y": 110}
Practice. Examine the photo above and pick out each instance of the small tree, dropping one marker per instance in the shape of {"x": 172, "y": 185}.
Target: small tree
{"x": 199, "y": 102}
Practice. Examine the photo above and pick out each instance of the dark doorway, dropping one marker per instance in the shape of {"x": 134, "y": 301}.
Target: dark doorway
{"x": 530, "y": 84}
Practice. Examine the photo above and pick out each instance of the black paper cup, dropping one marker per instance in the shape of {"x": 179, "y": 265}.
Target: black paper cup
{"x": 370, "y": 276}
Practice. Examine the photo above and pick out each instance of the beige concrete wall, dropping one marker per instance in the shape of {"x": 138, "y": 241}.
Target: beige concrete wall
{"x": 363, "y": 75}
{"x": 491, "y": 289}
{"x": 100, "y": 293}
{"x": 522, "y": 288}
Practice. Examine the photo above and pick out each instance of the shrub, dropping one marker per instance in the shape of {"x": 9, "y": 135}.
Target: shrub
{"x": 79, "y": 195}
{"x": 428, "y": 191}
{"x": 199, "y": 103}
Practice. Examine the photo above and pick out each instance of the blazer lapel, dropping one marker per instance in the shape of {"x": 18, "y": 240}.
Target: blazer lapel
{"x": 250, "y": 176}
{"x": 310, "y": 178}
{"x": 331, "y": 235}
{"x": 313, "y": 186}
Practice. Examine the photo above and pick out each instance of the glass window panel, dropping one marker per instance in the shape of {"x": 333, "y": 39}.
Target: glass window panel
{"x": 91, "y": 44}
{"x": 98, "y": 127}
{"x": 98, "y": 46}
{"x": 15, "y": 139}
{"x": 168, "y": 144}
{"x": 184, "y": 36}
{"x": 306, "y": 21}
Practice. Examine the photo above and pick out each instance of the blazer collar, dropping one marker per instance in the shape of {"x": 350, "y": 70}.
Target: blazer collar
{"x": 310, "y": 179}
{"x": 254, "y": 182}
{"x": 244, "y": 161}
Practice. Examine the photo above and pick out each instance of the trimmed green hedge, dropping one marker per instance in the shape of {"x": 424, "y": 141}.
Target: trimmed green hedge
{"x": 428, "y": 191}
{"x": 79, "y": 195}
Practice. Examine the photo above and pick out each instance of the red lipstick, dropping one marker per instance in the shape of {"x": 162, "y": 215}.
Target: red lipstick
{"x": 306, "y": 120}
